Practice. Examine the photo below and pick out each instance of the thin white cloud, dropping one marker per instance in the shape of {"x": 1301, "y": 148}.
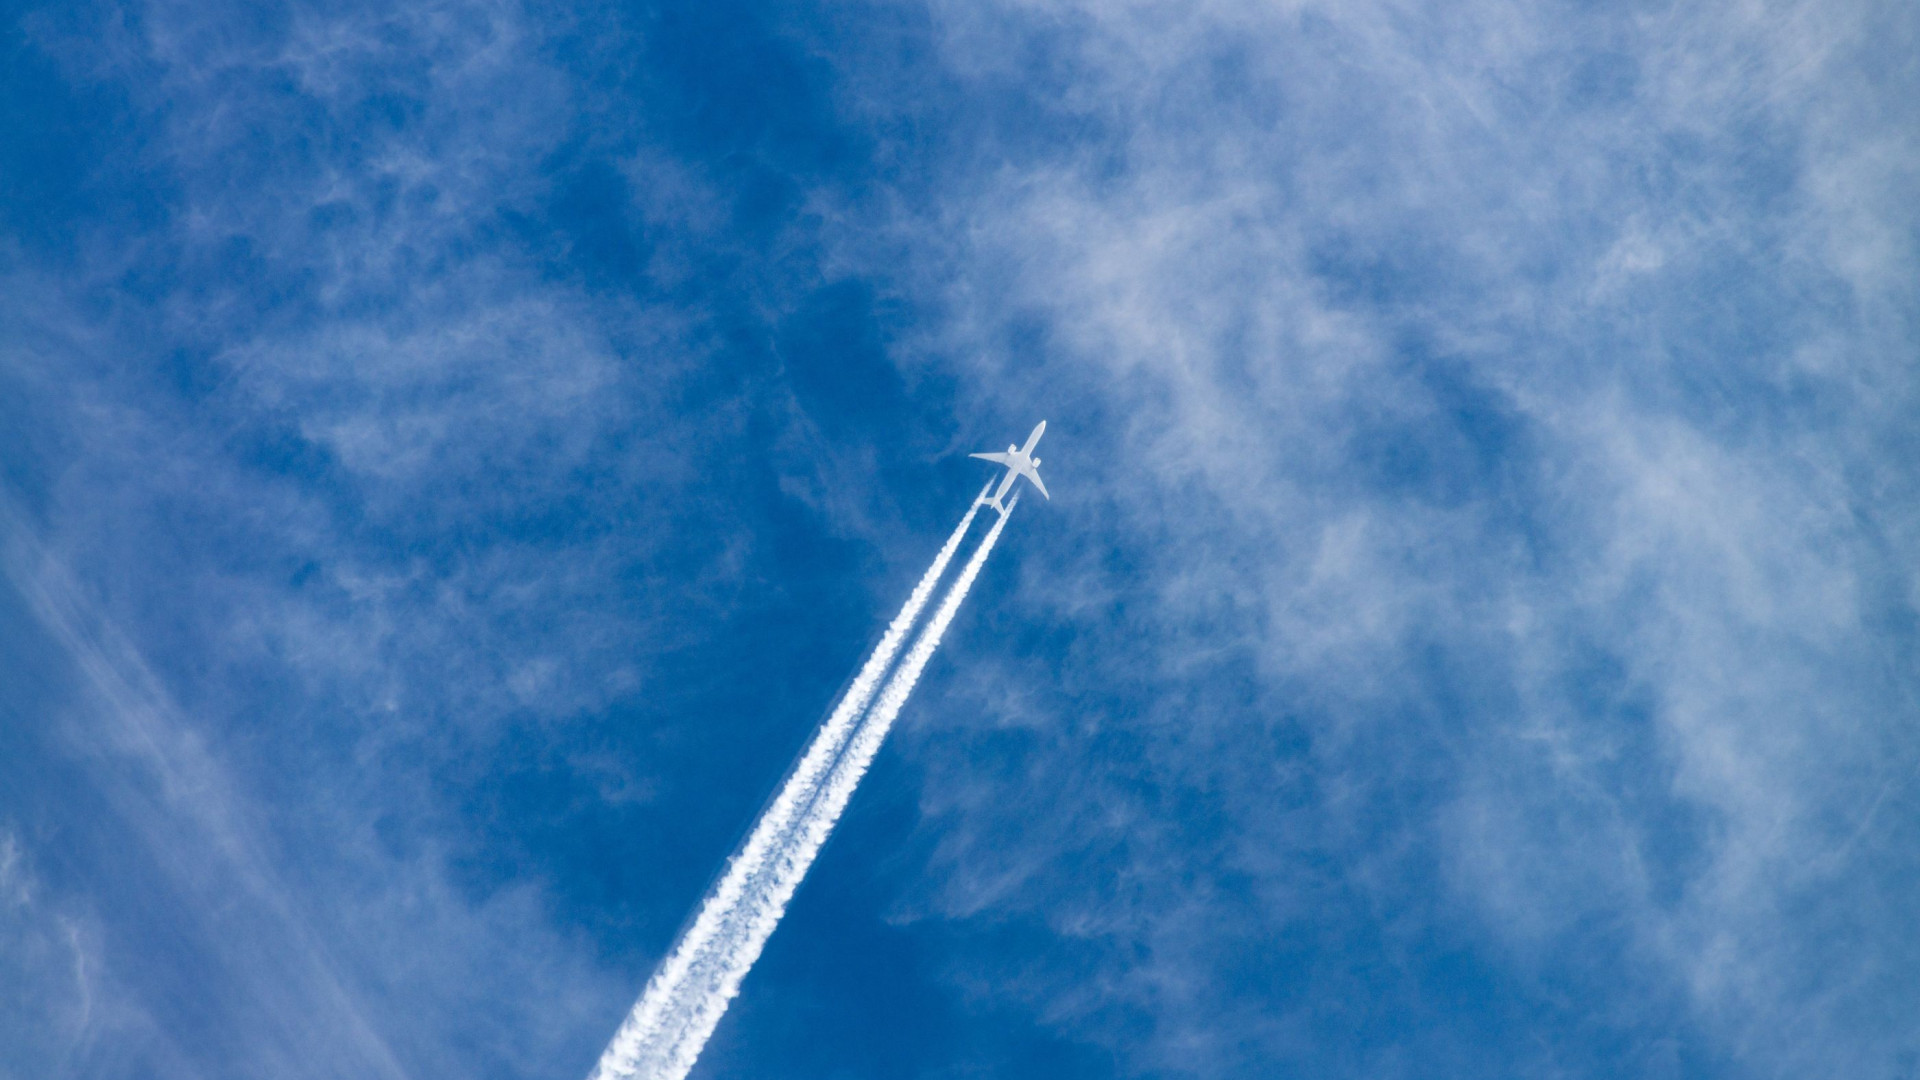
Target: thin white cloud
{"x": 177, "y": 800}
{"x": 1572, "y": 206}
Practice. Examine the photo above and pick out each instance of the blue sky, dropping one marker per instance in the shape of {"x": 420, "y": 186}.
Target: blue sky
{"x": 452, "y": 454}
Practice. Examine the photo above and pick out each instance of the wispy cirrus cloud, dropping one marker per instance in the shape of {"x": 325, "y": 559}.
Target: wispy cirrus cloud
{"x": 276, "y": 419}
{"x": 1509, "y": 370}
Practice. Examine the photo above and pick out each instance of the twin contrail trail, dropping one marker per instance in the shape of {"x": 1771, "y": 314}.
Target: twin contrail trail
{"x": 664, "y": 1034}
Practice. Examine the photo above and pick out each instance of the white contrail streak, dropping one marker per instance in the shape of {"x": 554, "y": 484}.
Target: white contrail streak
{"x": 670, "y": 1024}
{"x": 866, "y": 741}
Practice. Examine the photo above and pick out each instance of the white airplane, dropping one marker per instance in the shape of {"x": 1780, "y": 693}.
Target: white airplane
{"x": 1019, "y": 461}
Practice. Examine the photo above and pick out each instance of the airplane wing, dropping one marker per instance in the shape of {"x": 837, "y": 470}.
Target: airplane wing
{"x": 997, "y": 459}
{"x": 1034, "y": 475}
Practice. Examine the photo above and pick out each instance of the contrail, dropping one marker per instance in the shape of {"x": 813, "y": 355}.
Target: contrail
{"x": 670, "y": 1024}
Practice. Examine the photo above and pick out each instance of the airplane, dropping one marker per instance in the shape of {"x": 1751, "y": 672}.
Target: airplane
{"x": 1019, "y": 461}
